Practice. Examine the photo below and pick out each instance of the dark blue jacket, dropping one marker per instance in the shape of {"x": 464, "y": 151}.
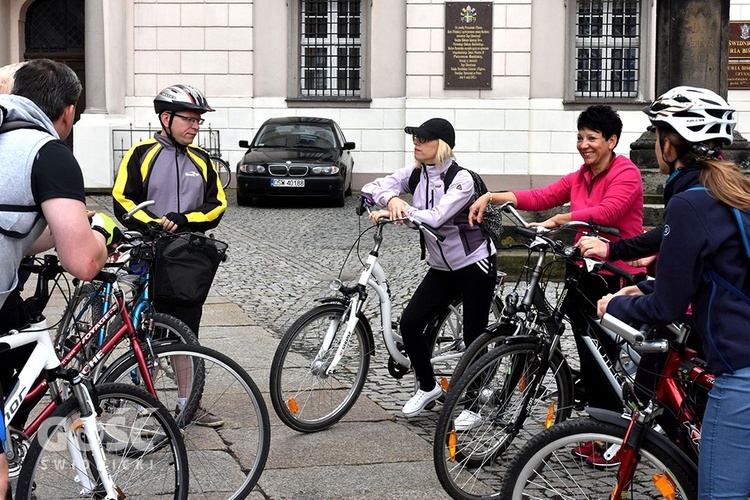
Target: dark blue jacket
{"x": 700, "y": 234}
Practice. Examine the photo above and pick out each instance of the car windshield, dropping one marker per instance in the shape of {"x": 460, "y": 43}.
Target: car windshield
{"x": 295, "y": 135}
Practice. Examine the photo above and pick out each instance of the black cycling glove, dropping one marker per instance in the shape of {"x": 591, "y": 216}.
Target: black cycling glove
{"x": 180, "y": 220}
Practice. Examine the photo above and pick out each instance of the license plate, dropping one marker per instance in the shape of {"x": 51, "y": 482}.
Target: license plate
{"x": 293, "y": 183}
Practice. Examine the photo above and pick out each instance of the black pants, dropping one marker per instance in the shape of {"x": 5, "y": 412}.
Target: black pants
{"x": 436, "y": 292}
{"x": 190, "y": 315}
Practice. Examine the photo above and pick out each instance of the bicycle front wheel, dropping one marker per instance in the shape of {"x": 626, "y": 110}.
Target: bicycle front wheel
{"x": 305, "y": 396}
{"x": 547, "y": 467}
{"x": 223, "y": 170}
{"x": 506, "y": 391}
{"x": 224, "y": 419}
{"x": 145, "y": 453}
{"x": 494, "y": 336}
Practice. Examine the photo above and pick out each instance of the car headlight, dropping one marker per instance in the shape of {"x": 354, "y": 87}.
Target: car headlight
{"x": 329, "y": 170}
{"x": 247, "y": 168}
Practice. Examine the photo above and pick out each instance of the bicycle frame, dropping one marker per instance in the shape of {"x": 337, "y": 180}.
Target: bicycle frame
{"x": 679, "y": 369}
{"x": 43, "y": 360}
{"x": 137, "y": 306}
{"x": 373, "y": 276}
{"x": 126, "y": 330}
{"x": 586, "y": 327}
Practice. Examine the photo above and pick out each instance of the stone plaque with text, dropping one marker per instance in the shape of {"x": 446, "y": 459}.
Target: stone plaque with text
{"x": 468, "y": 45}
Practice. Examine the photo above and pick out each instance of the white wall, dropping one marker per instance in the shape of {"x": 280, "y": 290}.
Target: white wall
{"x": 519, "y": 127}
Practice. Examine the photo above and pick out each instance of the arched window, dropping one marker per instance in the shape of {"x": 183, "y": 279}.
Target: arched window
{"x": 55, "y": 27}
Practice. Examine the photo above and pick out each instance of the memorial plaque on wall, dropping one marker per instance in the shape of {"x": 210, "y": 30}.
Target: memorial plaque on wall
{"x": 468, "y": 45}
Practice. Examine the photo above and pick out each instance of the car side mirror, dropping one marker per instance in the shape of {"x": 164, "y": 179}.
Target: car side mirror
{"x": 349, "y": 145}
{"x": 244, "y": 144}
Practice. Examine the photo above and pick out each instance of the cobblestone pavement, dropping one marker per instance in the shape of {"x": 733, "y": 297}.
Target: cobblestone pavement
{"x": 282, "y": 257}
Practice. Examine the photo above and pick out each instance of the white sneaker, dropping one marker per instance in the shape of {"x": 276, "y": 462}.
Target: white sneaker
{"x": 467, "y": 420}
{"x": 418, "y": 401}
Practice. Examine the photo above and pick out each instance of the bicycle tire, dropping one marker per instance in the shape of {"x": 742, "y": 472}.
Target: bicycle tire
{"x": 223, "y": 171}
{"x": 494, "y": 387}
{"x": 146, "y": 441}
{"x": 494, "y": 336}
{"x": 303, "y": 396}
{"x": 227, "y": 460}
{"x": 547, "y": 468}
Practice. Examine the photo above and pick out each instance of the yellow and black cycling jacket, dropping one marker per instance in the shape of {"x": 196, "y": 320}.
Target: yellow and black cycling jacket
{"x": 181, "y": 180}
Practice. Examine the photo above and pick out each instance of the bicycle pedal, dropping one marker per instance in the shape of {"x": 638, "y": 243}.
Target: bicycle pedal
{"x": 396, "y": 370}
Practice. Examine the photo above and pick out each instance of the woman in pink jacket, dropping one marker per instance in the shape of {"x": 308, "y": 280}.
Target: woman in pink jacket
{"x": 607, "y": 189}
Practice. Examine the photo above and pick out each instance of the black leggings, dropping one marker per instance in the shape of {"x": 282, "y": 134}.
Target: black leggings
{"x": 436, "y": 292}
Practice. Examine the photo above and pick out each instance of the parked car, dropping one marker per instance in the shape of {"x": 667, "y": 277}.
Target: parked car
{"x": 296, "y": 157}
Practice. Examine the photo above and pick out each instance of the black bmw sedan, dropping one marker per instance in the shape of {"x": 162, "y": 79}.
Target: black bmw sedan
{"x": 296, "y": 157}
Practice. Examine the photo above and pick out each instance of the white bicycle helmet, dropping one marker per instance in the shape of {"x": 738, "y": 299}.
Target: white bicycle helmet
{"x": 697, "y": 114}
{"x": 181, "y": 98}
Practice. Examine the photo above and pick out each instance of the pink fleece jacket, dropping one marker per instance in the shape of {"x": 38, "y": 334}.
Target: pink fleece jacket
{"x": 613, "y": 198}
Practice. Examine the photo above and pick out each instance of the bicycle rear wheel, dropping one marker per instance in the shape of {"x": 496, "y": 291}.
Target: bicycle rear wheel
{"x": 223, "y": 170}
{"x": 226, "y": 459}
{"x": 547, "y": 467}
{"x": 491, "y": 395}
{"x": 305, "y": 397}
{"x": 145, "y": 453}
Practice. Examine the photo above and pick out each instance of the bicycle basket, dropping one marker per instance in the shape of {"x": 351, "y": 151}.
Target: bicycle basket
{"x": 184, "y": 267}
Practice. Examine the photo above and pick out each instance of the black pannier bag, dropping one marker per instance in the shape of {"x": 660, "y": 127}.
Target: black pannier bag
{"x": 184, "y": 267}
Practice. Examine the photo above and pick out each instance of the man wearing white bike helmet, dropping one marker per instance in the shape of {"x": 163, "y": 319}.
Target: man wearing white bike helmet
{"x": 703, "y": 264}
{"x": 182, "y": 181}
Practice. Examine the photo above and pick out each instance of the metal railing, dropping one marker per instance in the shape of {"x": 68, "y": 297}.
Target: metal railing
{"x": 123, "y": 139}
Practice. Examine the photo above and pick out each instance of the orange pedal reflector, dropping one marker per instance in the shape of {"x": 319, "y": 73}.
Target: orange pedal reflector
{"x": 665, "y": 486}
{"x": 550, "y": 415}
{"x": 444, "y": 383}
{"x": 452, "y": 445}
{"x": 522, "y": 383}
{"x": 292, "y": 405}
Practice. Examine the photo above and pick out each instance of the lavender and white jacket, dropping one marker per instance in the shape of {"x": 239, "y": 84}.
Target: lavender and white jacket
{"x": 446, "y": 210}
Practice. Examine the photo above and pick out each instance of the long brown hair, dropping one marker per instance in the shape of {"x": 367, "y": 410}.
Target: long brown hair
{"x": 723, "y": 178}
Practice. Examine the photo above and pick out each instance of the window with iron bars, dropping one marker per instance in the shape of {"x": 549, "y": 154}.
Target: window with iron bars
{"x": 607, "y": 48}
{"x": 330, "y": 48}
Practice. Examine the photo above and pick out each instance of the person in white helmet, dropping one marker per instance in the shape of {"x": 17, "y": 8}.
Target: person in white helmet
{"x": 182, "y": 181}
{"x": 703, "y": 264}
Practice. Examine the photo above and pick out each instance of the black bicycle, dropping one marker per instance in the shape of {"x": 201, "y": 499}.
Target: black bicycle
{"x": 525, "y": 383}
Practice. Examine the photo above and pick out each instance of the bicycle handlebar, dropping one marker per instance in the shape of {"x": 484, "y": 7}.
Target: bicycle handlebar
{"x": 366, "y": 205}
{"x": 138, "y": 207}
{"x": 636, "y": 338}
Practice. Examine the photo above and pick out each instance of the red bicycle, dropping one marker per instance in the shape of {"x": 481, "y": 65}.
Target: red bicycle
{"x": 640, "y": 459}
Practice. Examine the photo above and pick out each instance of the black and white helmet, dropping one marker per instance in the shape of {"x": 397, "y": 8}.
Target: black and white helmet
{"x": 698, "y": 115}
{"x": 181, "y": 98}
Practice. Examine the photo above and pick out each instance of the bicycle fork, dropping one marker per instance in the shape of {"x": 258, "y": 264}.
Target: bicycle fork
{"x": 82, "y": 440}
{"x": 351, "y": 324}
{"x": 629, "y": 456}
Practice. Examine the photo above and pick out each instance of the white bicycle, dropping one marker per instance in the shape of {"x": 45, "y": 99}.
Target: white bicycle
{"x": 88, "y": 441}
{"x": 321, "y": 363}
